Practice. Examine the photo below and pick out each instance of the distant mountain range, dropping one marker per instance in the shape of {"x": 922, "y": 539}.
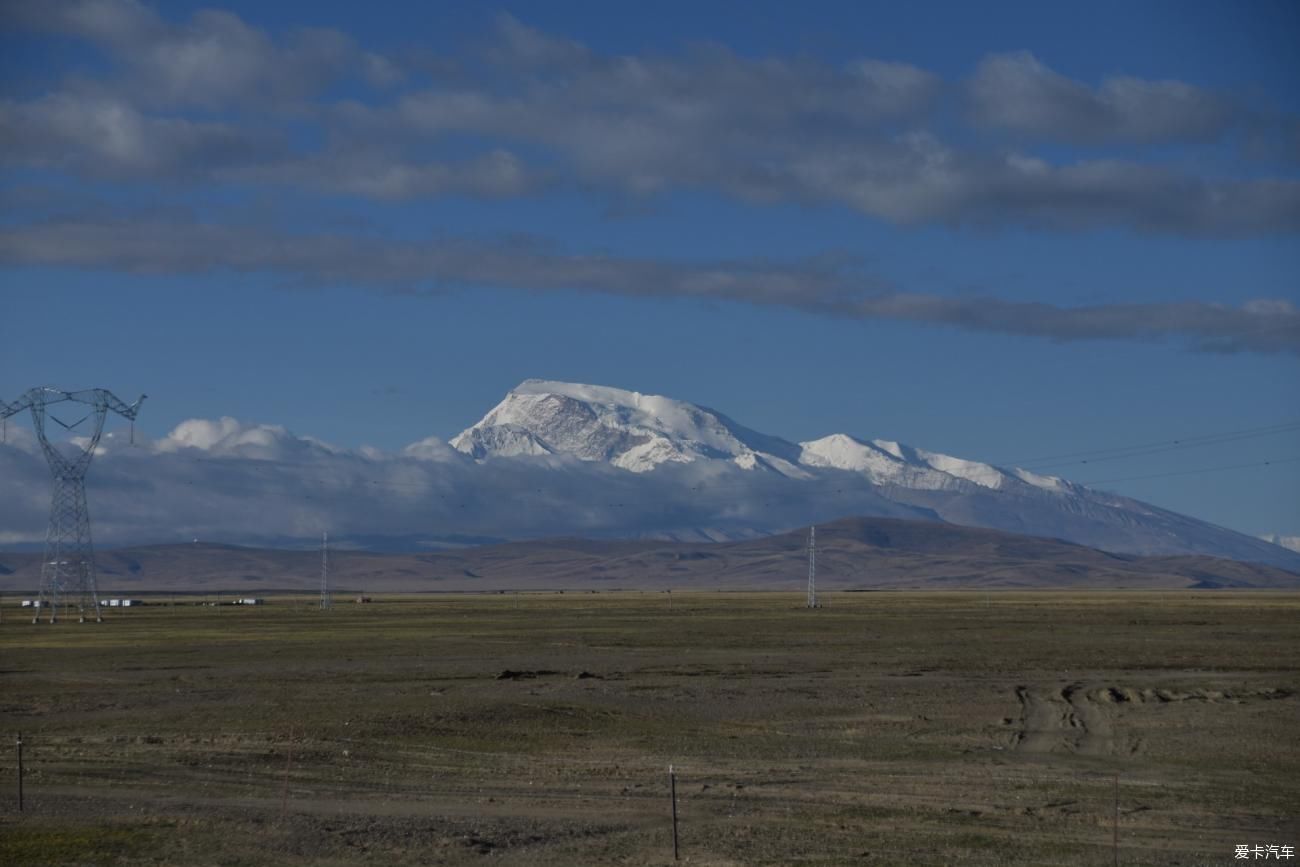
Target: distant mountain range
{"x": 560, "y": 459}
{"x": 642, "y": 433}
{"x": 852, "y": 554}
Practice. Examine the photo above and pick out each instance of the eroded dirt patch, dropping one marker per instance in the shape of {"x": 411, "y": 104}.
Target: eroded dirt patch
{"x": 1065, "y": 720}
{"x": 1082, "y": 718}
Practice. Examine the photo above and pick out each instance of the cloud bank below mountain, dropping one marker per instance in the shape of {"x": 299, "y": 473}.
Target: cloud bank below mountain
{"x": 556, "y": 459}
{"x": 225, "y": 480}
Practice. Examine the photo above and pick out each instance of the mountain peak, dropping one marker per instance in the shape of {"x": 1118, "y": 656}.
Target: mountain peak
{"x": 628, "y": 429}
{"x": 642, "y": 432}
{"x": 580, "y": 391}
{"x": 888, "y": 462}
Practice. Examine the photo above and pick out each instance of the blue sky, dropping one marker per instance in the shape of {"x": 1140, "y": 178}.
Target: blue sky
{"x": 999, "y": 235}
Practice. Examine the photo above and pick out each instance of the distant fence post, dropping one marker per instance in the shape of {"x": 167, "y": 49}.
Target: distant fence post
{"x": 288, "y": 767}
{"x": 1114, "y": 837}
{"x": 20, "y": 772}
{"x": 672, "y": 785}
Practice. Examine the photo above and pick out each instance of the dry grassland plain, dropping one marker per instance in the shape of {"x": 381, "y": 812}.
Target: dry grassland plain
{"x": 884, "y": 728}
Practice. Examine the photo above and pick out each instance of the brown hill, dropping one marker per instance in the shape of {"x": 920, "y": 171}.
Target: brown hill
{"x": 853, "y": 554}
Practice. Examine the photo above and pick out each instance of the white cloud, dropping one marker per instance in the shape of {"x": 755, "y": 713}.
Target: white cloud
{"x": 104, "y": 136}
{"x": 229, "y": 437}
{"x": 531, "y": 110}
{"x": 241, "y": 482}
{"x": 214, "y": 59}
{"x": 1018, "y": 92}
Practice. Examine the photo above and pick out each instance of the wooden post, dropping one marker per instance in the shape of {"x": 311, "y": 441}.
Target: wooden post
{"x": 672, "y": 783}
{"x": 20, "y": 772}
{"x": 288, "y": 766}
{"x": 1114, "y": 840}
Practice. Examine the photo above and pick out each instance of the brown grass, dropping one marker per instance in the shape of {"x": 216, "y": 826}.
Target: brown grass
{"x": 886, "y": 728}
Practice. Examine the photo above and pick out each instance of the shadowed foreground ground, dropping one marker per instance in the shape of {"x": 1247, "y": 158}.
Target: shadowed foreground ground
{"x": 885, "y": 728}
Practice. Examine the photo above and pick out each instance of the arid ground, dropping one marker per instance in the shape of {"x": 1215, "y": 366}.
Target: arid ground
{"x": 884, "y": 728}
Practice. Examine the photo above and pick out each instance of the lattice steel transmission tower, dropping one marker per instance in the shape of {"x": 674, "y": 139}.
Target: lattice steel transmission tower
{"x": 324, "y": 570}
{"x": 69, "y": 563}
{"x": 812, "y": 568}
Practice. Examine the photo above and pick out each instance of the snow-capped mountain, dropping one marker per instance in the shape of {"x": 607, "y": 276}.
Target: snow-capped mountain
{"x": 640, "y": 432}
{"x": 648, "y": 433}
{"x": 633, "y": 431}
{"x": 562, "y": 459}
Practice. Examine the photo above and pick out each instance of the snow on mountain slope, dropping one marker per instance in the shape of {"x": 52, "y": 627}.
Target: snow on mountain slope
{"x": 500, "y": 439}
{"x": 557, "y": 459}
{"x": 886, "y": 462}
{"x": 634, "y": 431}
{"x": 1291, "y": 543}
{"x": 640, "y": 432}
{"x": 643, "y": 433}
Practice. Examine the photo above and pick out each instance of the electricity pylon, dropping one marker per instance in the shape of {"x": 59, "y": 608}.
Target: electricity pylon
{"x": 69, "y": 563}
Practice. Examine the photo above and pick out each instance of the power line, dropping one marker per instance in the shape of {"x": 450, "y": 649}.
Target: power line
{"x": 838, "y": 487}
{"x": 1142, "y": 449}
{"x": 1267, "y": 463}
{"x": 1078, "y": 458}
{"x": 827, "y": 487}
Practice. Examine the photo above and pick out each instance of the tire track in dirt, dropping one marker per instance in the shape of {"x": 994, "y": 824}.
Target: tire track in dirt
{"x": 1041, "y": 722}
{"x": 1081, "y": 718}
{"x": 1092, "y": 730}
{"x": 1064, "y": 720}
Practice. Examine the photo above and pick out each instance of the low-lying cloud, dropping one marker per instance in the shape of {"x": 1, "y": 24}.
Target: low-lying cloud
{"x": 222, "y": 480}
{"x": 226, "y": 480}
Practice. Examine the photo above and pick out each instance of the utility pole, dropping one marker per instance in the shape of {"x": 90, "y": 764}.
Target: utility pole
{"x": 812, "y": 568}
{"x": 324, "y": 571}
